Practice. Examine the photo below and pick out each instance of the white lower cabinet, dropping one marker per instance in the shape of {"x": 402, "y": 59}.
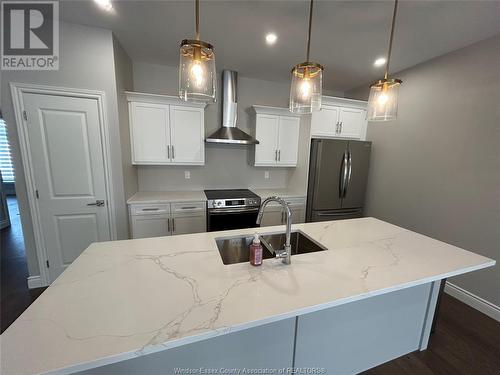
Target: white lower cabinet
{"x": 188, "y": 218}
{"x": 274, "y": 215}
{"x": 157, "y": 220}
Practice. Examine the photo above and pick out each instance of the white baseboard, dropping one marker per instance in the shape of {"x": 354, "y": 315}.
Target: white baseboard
{"x": 478, "y": 303}
{"x": 34, "y": 282}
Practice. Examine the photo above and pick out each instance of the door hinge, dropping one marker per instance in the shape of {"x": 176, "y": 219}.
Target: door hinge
{"x": 36, "y": 193}
{"x": 25, "y": 116}
{"x": 47, "y": 263}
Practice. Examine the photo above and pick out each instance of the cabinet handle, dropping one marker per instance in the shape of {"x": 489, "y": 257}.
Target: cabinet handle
{"x": 173, "y": 152}
{"x": 279, "y": 155}
{"x": 340, "y": 130}
{"x": 275, "y": 155}
{"x": 168, "y": 226}
{"x": 150, "y": 209}
{"x": 337, "y": 128}
{"x": 173, "y": 225}
{"x": 168, "y": 152}
{"x": 188, "y": 208}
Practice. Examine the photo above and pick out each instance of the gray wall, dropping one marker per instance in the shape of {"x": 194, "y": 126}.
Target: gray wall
{"x": 436, "y": 169}
{"x": 124, "y": 82}
{"x": 225, "y": 166}
{"x": 86, "y": 61}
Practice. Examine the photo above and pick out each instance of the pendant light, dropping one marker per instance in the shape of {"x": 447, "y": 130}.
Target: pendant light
{"x": 383, "y": 99}
{"x": 197, "y": 76}
{"x": 306, "y": 89}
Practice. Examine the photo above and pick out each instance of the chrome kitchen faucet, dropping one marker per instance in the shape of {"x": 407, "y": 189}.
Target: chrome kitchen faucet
{"x": 286, "y": 253}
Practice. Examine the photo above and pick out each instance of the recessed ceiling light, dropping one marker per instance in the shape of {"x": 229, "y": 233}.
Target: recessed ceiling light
{"x": 380, "y": 61}
{"x": 105, "y": 4}
{"x": 271, "y": 38}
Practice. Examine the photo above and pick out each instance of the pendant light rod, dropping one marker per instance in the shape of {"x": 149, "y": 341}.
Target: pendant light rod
{"x": 391, "y": 38}
{"x": 197, "y": 11}
{"x": 309, "y": 31}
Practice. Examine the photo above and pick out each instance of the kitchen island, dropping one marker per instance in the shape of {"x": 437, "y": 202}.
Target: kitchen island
{"x": 169, "y": 304}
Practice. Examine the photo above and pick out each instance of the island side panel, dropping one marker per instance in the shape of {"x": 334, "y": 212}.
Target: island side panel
{"x": 266, "y": 346}
{"x": 357, "y": 336}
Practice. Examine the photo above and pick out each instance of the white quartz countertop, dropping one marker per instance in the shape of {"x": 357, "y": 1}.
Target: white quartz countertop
{"x": 151, "y": 197}
{"x": 125, "y": 299}
{"x": 284, "y": 193}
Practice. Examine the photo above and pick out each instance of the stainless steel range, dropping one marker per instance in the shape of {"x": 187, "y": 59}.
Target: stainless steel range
{"x": 231, "y": 209}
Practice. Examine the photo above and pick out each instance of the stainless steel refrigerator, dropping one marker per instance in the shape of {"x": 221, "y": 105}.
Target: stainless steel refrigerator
{"x": 338, "y": 173}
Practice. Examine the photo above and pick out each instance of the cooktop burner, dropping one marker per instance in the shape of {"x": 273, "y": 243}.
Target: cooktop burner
{"x": 230, "y": 194}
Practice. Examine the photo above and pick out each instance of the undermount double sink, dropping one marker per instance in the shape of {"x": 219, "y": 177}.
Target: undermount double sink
{"x": 236, "y": 249}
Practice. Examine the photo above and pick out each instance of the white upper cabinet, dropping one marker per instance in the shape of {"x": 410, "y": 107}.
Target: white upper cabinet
{"x": 288, "y": 141}
{"x": 324, "y": 122}
{"x": 278, "y": 134}
{"x": 150, "y": 132}
{"x": 340, "y": 118}
{"x": 267, "y": 134}
{"x": 165, "y": 130}
{"x": 187, "y": 135}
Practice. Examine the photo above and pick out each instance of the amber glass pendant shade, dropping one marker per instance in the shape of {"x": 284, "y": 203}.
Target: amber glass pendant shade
{"x": 197, "y": 76}
{"x": 306, "y": 88}
{"x": 383, "y": 100}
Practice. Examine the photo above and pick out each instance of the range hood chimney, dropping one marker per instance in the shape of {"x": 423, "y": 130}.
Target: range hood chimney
{"x": 229, "y": 133}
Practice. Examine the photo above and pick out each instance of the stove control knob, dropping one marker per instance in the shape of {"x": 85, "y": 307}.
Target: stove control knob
{"x": 218, "y": 203}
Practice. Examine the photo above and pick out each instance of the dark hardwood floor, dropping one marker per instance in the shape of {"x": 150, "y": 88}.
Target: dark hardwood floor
{"x": 465, "y": 342}
{"x": 15, "y": 296}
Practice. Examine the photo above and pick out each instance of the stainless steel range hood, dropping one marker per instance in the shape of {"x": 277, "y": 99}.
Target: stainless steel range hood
{"x": 229, "y": 133}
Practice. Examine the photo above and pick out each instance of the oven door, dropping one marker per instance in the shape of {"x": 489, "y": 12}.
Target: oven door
{"x": 231, "y": 218}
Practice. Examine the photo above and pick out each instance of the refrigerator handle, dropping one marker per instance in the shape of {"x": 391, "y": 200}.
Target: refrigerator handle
{"x": 343, "y": 177}
{"x": 349, "y": 172}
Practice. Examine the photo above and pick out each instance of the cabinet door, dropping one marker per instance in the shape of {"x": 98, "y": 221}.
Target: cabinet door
{"x": 324, "y": 122}
{"x": 149, "y": 133}
{"x": 288, "y": 141}
{"x": 189, "y": 224}
{"x": 145, "y": 226}
{"x": 352, "y": 123}
{"x": 187, "y": 135}
{"x": 267, "y": 135}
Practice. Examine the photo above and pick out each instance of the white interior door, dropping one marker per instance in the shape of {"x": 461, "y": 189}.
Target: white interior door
{"x": 267, "y": 135}
{"x": 68, "y": 167}
{"x": 288, "y": 141}
{"x": 187, "y": 135}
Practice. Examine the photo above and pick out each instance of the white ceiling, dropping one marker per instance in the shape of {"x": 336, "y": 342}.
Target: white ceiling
{"x": 347, "y": 35}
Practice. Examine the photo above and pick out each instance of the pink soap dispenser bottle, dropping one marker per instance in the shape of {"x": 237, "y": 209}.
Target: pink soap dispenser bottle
{"x": 256, "y": 251}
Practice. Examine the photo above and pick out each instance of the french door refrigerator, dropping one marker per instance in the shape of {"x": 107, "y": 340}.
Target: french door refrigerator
{"x": 338, "y": 172}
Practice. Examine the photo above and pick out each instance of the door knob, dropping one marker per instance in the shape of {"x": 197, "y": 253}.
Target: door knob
{"x": 98, "y": 203}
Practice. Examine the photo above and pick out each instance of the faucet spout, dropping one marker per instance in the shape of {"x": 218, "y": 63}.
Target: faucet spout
{"x": 285, "y": 254}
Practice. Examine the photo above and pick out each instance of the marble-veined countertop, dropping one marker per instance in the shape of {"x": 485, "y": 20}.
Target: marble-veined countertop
{"x": 123, "y": 299}
{"x": 157, "y": 197}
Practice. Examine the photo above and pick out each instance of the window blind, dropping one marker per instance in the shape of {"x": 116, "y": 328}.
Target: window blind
{"x": 5, "y": 157}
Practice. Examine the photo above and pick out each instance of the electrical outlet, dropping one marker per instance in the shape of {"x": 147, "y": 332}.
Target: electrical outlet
{"x": 187, "y": 175}
{"x": 266, "y": 175}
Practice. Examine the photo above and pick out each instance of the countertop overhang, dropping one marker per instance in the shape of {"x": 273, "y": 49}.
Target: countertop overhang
{"x": 125, "y": 299}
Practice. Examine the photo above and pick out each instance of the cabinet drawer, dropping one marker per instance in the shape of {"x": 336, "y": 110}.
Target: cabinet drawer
{"x": 188, "y": 208}
{"x": 149, "y": 209}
